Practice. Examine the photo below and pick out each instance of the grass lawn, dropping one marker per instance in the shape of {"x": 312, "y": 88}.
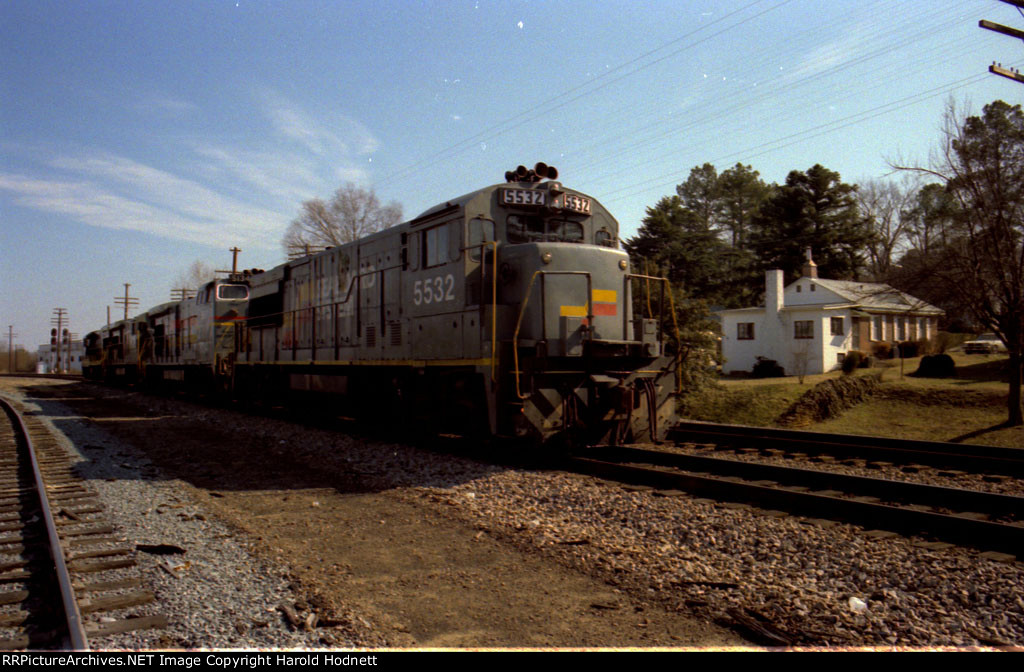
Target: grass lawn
{"x": 969, "y": 408}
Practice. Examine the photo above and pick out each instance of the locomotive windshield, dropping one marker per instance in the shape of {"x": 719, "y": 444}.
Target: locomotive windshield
{"x": 232, "y": 292}
{"x": 535, "y": 229}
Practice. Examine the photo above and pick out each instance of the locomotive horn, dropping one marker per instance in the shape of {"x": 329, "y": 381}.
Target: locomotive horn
{"x": 552, "y": 173}
{"x": 541, "y": 169}
{"x": 510, "y": 176}
{"x": 521, "y": 172}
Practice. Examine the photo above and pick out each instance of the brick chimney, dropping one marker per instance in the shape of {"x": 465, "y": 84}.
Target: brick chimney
{"x": 810, "y": 269}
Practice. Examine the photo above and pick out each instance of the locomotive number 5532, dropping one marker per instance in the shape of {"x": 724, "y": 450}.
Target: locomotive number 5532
{"x": 434, "y": 290}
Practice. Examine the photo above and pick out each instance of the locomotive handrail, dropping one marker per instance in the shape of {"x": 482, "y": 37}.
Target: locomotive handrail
{"x": 675, "y": 322}
{"x": 543, "y": 314}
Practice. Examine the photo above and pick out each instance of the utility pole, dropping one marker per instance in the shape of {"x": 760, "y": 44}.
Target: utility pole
{"x": 997, "y": 68}
{"x": 56, "y": 334}
{"x": 182, "y": 293}
{"x": 126, "y": 300}
{"x": 234, "y": 263}
{"x": 10, "y": 348}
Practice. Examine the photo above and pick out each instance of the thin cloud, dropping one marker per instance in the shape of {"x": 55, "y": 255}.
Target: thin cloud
{"x": 166, "y": 105}
{"x": 830, "y": 54}
{"x": 92, "y": 205}
{"x": 339, "y": 136}
{"x": 286, "y": 176}
{"x": 215, "y": 193}
{"x": 163, "y": 188}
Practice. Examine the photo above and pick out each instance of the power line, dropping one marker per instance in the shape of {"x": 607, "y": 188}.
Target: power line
{"x": 558, "y": 101}
{"x": 734, "y": 105}
{"x": 794, "y": 138}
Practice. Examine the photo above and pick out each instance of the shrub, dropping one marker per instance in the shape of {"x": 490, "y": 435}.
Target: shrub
{"x": 936, "y": 366}
{"x": 910, "y": 349}
{"x": 852, "y": 361}
{"x": 767, "y": 368}
{"x": 867, "y": 362}
{"x": 827, "y": 400}
{"x": 883, "y": 350}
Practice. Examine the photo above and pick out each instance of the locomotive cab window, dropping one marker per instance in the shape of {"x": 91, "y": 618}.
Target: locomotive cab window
{"x": 565, "y": 231}
{"x": 535, "y": 229}
{"x": 524, "y": 228}
{"x": 435, "y": 246}
{"x": 480, "y": 231}
{"x": 232, "y": 292}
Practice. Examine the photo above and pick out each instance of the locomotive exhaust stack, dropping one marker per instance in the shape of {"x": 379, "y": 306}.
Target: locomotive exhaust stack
{"x": 540, "y": 172}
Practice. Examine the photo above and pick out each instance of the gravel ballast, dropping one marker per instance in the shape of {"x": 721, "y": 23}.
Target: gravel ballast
{"x": 801, "y": 581}
{"x": 215, "y": 595}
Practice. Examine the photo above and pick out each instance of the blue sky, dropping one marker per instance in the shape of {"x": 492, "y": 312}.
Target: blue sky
{"x": 138, "y": 137}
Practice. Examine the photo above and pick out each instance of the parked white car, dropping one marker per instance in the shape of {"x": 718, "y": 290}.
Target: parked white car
{"x": 987, "y": 344}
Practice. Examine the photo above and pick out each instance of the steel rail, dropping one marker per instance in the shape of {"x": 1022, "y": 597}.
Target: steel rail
{"x": 902, "y": 491}
{"x": 76, "y": 628}
{"x": 997, "y": 459}
{"x": 963, "y": 530}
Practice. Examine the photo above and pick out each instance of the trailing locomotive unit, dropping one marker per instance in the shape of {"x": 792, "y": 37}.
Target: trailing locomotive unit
{"x": 413, "y": 324}
{"x": 181, "y": 342}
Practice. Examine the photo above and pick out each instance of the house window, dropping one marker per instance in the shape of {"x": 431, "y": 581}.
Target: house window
{"x": 745, "y": 331}
{"x": 837, "y": 326}
{"x": 798, "y": 289}
{"x": 901, "y": 326}
{"x": 922, "y": 328}
{"x": 876, "y": 328}
{"x": 803, "y": 329}
{"x": 812, "y": 287}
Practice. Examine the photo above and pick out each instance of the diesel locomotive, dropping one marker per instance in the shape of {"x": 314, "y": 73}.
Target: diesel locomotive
{"x": 506, "y": 311}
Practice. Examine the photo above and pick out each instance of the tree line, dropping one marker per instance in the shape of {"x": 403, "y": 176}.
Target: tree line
{"x": 950, "y": 232}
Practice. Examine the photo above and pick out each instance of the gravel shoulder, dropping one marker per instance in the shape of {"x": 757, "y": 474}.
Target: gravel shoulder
{"x": 359, "y": 538}
{"x": 390, "y": 545}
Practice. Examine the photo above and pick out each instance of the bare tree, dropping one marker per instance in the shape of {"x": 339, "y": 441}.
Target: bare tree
{"x": 802, "y": 355}
{"x": 197, "y": 275}
{"x": 353, "y": 212}
{"x": 980, "y": 163}
{"x": 886, "y": 206}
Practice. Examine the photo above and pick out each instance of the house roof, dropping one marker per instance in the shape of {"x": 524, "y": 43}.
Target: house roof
{"x": 877, "y": 295}
{"x": 874, "y": 297}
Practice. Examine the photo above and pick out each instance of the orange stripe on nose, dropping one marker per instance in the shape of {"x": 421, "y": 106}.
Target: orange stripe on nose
{"x": 606, "y": 309}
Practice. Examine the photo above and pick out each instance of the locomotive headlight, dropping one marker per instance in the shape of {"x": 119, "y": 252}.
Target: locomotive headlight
{"x": 623, "y": 263}
{"x": 546, "y": 257}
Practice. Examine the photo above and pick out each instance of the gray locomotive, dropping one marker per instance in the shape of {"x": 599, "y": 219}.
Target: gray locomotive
{"x": 190, "y": 342}
{"x": 505, "y": 312}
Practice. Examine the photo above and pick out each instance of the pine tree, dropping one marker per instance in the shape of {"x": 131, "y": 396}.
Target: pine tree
{"x": 812, "y": 209}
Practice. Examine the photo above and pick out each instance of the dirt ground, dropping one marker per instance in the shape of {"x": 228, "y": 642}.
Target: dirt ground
{"x": 390, "y": 571}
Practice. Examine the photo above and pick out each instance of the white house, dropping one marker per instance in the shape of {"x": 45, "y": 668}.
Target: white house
{"x": 810, "y": 325}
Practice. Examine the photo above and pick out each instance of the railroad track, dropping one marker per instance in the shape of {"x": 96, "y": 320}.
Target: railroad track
{"x": 61, "y": 570}
{"x": 969, "y": 457}
{"x": 988, "y": 521}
